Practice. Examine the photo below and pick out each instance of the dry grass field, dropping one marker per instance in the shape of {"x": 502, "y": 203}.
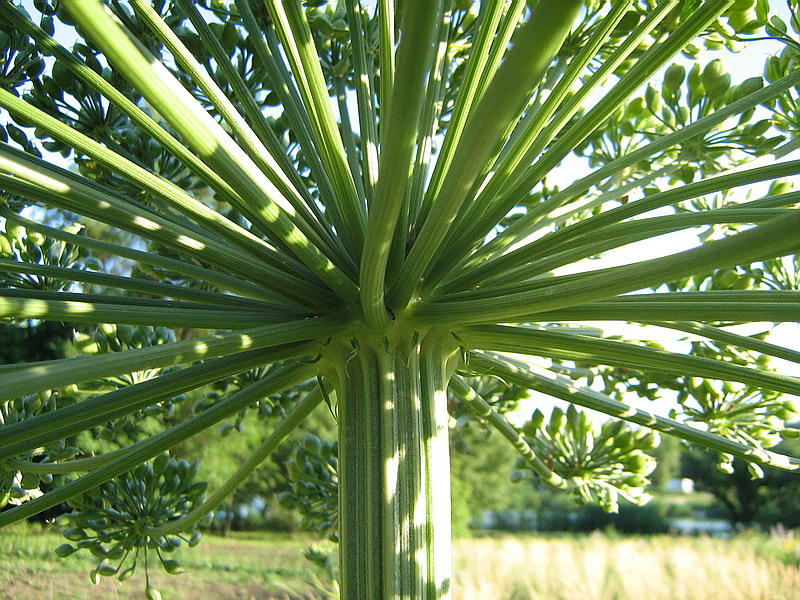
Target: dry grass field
{"x": 595, "y": 567}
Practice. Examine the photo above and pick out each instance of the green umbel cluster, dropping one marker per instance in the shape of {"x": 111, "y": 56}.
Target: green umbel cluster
{"x": 313, "y": 473}
{"x": 599, "y": 467}
{"x": 113, "y": 522}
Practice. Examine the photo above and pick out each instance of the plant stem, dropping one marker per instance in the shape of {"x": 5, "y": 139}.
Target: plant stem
{"x": 394, "y": 469}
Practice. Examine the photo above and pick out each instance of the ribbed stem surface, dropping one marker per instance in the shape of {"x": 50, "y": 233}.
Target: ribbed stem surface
{"x": 394, "y": 483}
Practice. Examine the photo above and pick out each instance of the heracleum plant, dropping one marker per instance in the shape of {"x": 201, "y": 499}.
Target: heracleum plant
{"x": 357, "y": 194}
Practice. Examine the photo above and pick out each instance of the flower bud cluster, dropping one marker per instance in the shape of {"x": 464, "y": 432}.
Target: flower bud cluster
{"x": 599, "y": 466}
{"x": 757, "y": 418}
{"x": 274, "y": 405}
{"x": 312, "y": 471}
{"x": 32, "y": 247}
{"x": 112, "y": 521}
{"x": 108, "y": 338}
{"x": 18, "y": 486}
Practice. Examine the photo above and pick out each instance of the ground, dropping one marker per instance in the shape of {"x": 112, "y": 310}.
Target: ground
{"x": 600, "y": 566}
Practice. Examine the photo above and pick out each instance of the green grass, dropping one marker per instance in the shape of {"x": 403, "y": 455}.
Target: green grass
{"x": 245, "y": 566}
{"x": 259, "y": 566}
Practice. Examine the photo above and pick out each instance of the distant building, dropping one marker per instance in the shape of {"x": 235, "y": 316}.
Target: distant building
{"x": 682, "y": 485}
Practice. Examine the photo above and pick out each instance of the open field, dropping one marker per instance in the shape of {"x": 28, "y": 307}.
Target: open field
{"x": 597, "y": 567}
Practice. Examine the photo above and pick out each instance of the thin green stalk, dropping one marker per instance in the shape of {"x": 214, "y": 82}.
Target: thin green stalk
{"x": 502, "y": 41}
{"x": 348, "y": 134}
{"x": 364, "y": 84}
{"x": 156, "y": 444}
{"x": 208, "y": 139}
{"x": 672, "y": 197}
{"x": 78, "y": 465}
{"x": 490, "y": 18}
{"x": 535, "y": 45}
{"x": 558, "y": 386}
{"x": 401, "y": 126}
{"x": 577, "y": 189}
{"x": 96, "y": 82}
{"x": 289, "y": 20}
{"x": 432, "y": 107}
{"x": 48, "y": 375}
{"x": 35, "y": 178}
{"x": 644, "y": 310}
{"x": 224, "y": 281}
{"x": 65, "y": 421}
{"x": 296, "y": 416}
{"x": 571, "y": 346}
{"x": 482, "y": 409}
{"x": 147, "y": 286}
{"x": 387, "y": 42}
{"x": 565, "y": 99}
{"x": 718, "y": 334}
{"x": 267, "y": 49}
{"x": 260, "y": 141}
{"x": 430, "y": 118}
{"x": 604, "y": 239}
{"x": 644, "y": 69}
{"x": 777, "y": 237}
{"x": 24, "y": 304}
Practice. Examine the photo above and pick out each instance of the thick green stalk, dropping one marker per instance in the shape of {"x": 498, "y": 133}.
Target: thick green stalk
{"x": 394, "y": 517}
{"x": 414, "y": 65}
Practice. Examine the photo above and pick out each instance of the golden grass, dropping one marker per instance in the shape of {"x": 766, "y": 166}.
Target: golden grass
{"x": 261, "y": 566}
{"x": 601, "y": 568}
